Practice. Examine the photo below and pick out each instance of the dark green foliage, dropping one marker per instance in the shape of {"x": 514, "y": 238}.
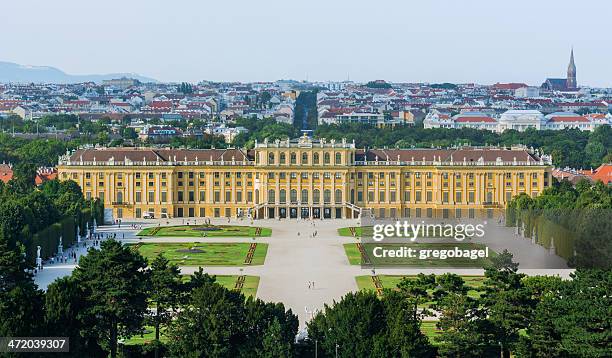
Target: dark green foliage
{"x": 572, "y": 318}
{"x": 567, "y": 147}
{"x": 114, "y": 284}
{"x": 362, "y": 325}
{"x": 578, "y": 219}
{"x": 217, "y": 322}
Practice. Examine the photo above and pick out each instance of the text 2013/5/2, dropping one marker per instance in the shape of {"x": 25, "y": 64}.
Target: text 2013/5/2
{"x": 34, "y": 344}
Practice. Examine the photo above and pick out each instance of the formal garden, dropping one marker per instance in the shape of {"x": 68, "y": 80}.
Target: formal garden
{"x": 206, "y": 231}
{"x": 206, "y": 254}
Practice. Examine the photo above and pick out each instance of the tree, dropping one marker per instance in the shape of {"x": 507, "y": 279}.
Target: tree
{"x": 572, "y": 318}
{"x": 507, "y": 304}
{"x": 114, "y": 283}
{"x": 210, "y": 325}
{"x": 416, "y": 292}
{"x": 386, "y": 327}
{"x": 165, "y": 293}
{"x": 20, "y": 300}
{"x": 273, "y": 343}
{"x": 63, "y": 307}
{"x": 217, "y": 322}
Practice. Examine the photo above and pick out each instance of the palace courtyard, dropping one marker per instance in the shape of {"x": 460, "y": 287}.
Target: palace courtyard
{"x": 293, "y": 266}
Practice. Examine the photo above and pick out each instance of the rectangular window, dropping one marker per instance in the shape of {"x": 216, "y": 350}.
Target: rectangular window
{"x": 202, "y": 195}
{"x": 164, "y": 197}
{"x": 238, "y": 196}
{"x": 418, "y": 197}
{"x": 180, "y": 196}
{"x": 406, "y": 212}
{"x": 458, "y": 197}
{"x": 151, "y": 196}
{"x": 228, "y": 196}
{"x": 191, "y": 196}
{"x": 217, "y": 196}
{"x": 138, "y": 198}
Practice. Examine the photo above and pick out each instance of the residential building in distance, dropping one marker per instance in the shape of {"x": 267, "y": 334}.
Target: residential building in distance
{"x": 520, "y": 120}
{"x": 305, "y": 178}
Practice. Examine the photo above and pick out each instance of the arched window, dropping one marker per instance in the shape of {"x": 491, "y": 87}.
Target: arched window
{"x": 305, "y": 158}
{"x": 304, "y": 196}
{"x": 326, "y": 158}
{"x": 327, "y": 196}
{"x": 283, "y": 196}
{"x": 315, "y": 158}
{"x": 338, "y": 196}
{"x": 293, "y": 196}
{"x": 283, "y": 158}
{"x": 270, "y": 158}
{"x": 293, "y": 158}
{"x": 316, "y": 196}
{"x": 271, "y": 197}
{"x": 338, "y": 158}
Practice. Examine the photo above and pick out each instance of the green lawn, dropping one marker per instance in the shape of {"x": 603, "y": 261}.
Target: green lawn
{"x": 354, "y": 256}
{"x": 429, "y": 329}
{"x": 206, "y": 254}
{"x": 147, "y": 337}
{"x": 249, "y": 288}
{"x": 205, "y": 231}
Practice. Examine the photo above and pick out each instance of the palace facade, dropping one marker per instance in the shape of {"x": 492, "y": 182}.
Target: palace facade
{"x": 305, "y": 178}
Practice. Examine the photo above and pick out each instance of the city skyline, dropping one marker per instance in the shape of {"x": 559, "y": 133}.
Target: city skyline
{"x": 245, "y": 42}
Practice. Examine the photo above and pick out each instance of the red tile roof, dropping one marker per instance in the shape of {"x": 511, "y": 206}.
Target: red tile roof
{"x": 569, "y": 119}
{"x": 475, "y": 119}
{"x": 603, "y": 173}
{"x": 6, "y": 173}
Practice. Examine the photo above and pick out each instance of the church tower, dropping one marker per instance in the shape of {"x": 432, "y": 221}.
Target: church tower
{"x": 571, "y": 73}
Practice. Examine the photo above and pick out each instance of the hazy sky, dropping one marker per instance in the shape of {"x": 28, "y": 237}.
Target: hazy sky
{"x": 482, "y": 41}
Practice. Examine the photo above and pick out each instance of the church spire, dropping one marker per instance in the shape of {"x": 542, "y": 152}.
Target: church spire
{"x": 571, "y": 72}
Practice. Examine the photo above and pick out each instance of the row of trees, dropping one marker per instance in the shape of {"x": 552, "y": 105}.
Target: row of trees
{"x": 569, "y": 148}
{"x": 515, "y": 315}
{"x": 114, "y": 293}
{"x": 577, "y": 221}
{"x": 31, "y": 217}
{"x": 573, "y": 148}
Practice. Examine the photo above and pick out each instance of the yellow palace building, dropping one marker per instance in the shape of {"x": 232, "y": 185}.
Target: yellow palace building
{"x": 305, "y": 178}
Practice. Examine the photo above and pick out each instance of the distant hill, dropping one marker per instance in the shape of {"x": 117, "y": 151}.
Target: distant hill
{"x": 13, "y": 72}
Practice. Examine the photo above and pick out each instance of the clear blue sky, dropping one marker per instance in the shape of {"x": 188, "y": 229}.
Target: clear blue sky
{"x": 480, "y": 41}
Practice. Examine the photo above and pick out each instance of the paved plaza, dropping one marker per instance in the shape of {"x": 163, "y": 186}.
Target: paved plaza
{"x": 296, "y": 258}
